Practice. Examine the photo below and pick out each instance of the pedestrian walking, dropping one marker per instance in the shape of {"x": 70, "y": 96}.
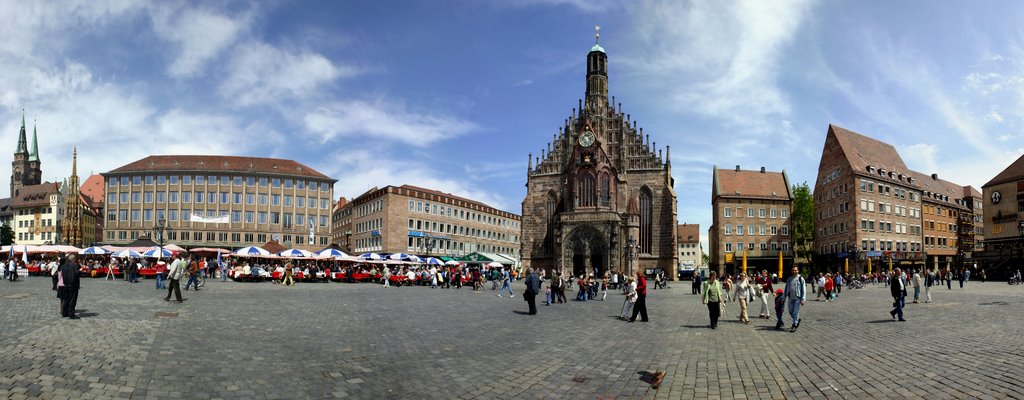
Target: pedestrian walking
{"x": 712, "y": 294}
{"x": 193, "y": 275}
{"x": 640, "y": 307}
{"x": 780, "y": 308}
{"x": 627, "y": 304}
{"x": 53, "y": 269}
{"x": 506, "y": 284}
{"x": 696, "y": 283}
{"x": 741, "y": 293}
{"x": 604, "y": 288}
{"x": 838, "y": 281}
{"x": 898, "y": 288}
{"x": 915, "y": 281}
{"x": 288, "y": 274}
{"x": 963, "y": 277}
{"x": 68, "y": 285}
{"x": 174, "y": 275}
{"x": 765, "y": 284}
{"x": 949, "y": 279}
{"x": 929, "y": 281}
{"x": 532, "y": 289}
{"x": 796, "y": 296}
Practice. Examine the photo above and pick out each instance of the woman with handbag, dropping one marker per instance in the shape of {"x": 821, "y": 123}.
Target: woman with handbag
{"x": 741, "y": 293}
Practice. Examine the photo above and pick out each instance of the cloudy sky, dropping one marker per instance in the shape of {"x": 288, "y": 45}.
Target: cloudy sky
{"x": 454, "y": 94}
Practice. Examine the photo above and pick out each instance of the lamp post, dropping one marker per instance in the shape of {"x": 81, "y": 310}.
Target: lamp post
{"x": 430, "y": 246}
{"x": 632, "y": 251}
{"x": 161, "y": 229}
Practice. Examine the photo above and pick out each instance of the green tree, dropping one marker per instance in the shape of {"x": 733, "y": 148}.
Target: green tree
{"x": 803, "y": 222}
{"x": 6, "y": 235}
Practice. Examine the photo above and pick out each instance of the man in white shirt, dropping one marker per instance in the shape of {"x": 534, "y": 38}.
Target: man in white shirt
{"x": 174, "y": 275}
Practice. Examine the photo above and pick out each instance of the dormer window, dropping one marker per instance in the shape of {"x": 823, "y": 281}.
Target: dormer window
{"x": 871, "y": 169}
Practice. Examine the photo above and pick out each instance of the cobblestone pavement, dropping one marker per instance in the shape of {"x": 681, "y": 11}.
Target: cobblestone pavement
{"x": 327, "y": 340}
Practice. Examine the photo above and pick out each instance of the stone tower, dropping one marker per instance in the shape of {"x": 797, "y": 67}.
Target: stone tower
{"x": 25, "y": 169}
{"x": 598, "y": 187}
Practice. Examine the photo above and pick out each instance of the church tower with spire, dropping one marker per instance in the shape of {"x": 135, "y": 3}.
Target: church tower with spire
{"x": 601, "y": 197}
{"x": 25, "y": 169}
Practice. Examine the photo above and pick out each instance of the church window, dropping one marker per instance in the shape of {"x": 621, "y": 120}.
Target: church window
{"x": 606, "y": 194}
{"x": 586, "y": 192}
{"x": 646, "y": 220}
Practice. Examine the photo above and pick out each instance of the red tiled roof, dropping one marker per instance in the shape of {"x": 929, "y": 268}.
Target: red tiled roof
{"x": 970, "y": 191}
{"x": 939, "y": 187}
{"x": 1015, "y": 172}
{"x": 862, "y": 151}
{"x": 35, "y": 195}
{"x": 219, "y": 164}
{"x": 92, "y": 188}
{"x": 688, "y": 233}
{"x": 755, "y": 184}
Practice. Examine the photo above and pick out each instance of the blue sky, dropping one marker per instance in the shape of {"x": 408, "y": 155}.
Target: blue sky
{"x": 453, "y": 95}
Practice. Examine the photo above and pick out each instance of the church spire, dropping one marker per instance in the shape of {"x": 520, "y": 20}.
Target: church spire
{"x": 74, "y": 163}
{"x": 22, "y": 146}
{"x": 34, "y": 154}
{"x": 597, "y": 76}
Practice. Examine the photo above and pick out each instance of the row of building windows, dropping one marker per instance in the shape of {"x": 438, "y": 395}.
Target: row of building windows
{"x": 939, "y": 242}
{"x": 872, "y": 245}
{"x": 213, "y": 197}
{"x": 236, "y": 238}
{"x": 887, "y": 190}
{"x": 31, "y": 223}
{"x": 236, "y": 180}
{"x": 754, "y": 246}
{"x": 761, "y": 230}
{"x": 761, "y": 212}
{"x": 452, "y": 229}
{"x": 36, "y": 210}
{"x": 458, "y": 213}
{"x": 30, "y": 236}
{"x": 249, "y": 217}
{"x": 440, "y": 246}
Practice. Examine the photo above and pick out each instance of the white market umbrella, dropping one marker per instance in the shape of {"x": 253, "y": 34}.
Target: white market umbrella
{"x": 295, "y": 253}
{"x": 495, "y": 264}
{"x": 331, "y": 253}
{"x": 157, "y": 253}
{"x": 434, "y": 261}
{"x": 370, "y": 257}
{"x": 93, "y": 251}
{"x": 252, "y": 251}
{"x": 128, "y": 253}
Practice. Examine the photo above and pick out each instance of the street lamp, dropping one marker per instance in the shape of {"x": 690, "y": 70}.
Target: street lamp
{"x": 430, "y": 246}
{"x": 161, "y": 229}
{"x": 632, "y": 251}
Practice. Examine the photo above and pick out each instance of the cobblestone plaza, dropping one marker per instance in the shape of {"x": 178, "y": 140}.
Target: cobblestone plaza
{"x": 327, "y": 340}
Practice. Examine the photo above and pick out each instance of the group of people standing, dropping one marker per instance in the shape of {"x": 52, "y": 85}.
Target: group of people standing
{"x": 715, "y": 293}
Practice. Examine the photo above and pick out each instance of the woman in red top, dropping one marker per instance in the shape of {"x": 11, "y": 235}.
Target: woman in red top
{"x": 830, "y": 285}
{"x": 640, "y": 307}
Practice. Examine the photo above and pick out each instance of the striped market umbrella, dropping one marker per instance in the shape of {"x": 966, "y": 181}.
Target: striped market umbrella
{"x": 371, "y": 256}
{"x": 156, "y": 253}
{"x": 128, "y": 253}
{"x": 252, "y": 251}
{"x": 331, "y": 253}
{"x": 93, "y": 250}
{"x": 295, "y": 253}
{"x": 434, "y": 261}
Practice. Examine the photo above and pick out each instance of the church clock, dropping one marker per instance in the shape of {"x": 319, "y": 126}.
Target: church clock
{"x": 586, "y": 139}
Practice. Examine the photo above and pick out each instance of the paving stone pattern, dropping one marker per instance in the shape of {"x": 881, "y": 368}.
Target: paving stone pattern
{"x": 334, "y": 340}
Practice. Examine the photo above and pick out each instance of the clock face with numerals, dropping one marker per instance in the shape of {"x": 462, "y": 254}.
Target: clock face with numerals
{"x": 586, "y": 139}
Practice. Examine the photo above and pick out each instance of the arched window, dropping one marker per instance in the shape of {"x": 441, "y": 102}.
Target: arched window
{"x": 586, "y": 191}
{"x": 551, "y": 210}
{"x": 646, "y": 219}
{"x": 606, "y": 194}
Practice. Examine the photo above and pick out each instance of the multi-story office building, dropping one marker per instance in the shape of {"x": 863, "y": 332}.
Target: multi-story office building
{"x": 341, "y": 224}
{"x": 867, "y": 204}
{"x": 751, "y": 216}
{"x": 940, "y": 221}
{"x": 691, "y": 254}
{"x": 92, "y": 195}
{"x": 870, "y": 205}
{"x": 971, "y": 230}
{"x": 1004, "y": 220}
{"x": 38, "y": 213}
{"x": 219, "y": 201}
{"x": 410, "y": 219}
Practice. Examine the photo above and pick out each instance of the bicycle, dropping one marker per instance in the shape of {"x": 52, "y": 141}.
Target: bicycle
{"x": 855, "y": 285}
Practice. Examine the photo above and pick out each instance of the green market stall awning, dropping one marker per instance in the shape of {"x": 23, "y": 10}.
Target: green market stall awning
{"x": 484, "y": 258}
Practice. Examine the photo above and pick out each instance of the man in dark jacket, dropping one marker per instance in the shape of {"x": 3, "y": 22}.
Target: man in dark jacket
{"x": 532, "y": 289}
{"x": 68, "y": 293}
{"x": 899, "y": 294}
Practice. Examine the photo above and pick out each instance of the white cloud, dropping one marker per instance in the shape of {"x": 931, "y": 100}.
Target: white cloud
{"x": 261, "y": 73}
{"x": 720, "y": 60}
{"x": 921, "y": 155}
{"x": 591, "y": 6}
{"x": 385, "y": 120}
{"x": 199, "y": 34}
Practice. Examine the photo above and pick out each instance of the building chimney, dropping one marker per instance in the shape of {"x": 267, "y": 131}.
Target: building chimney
{"x": 737, "y": 168}
{"x": 762, "y": 170}
{"x": 935, "y": 176}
